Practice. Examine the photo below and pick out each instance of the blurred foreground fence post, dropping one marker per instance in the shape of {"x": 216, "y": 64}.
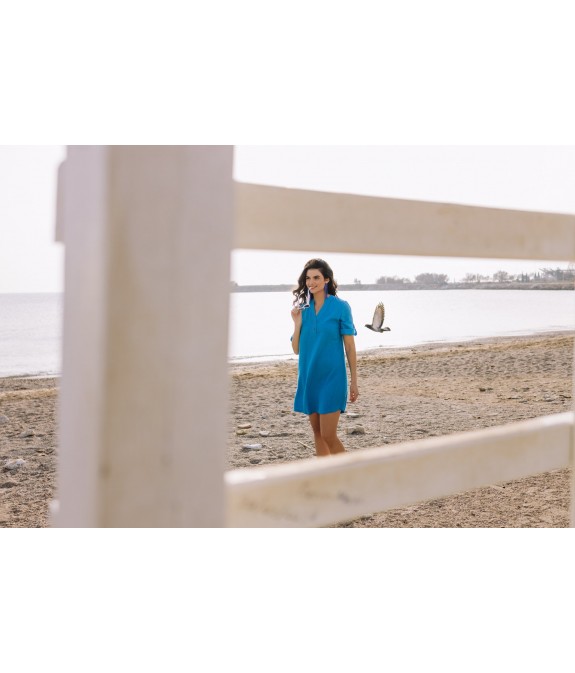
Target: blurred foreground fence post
{"x": 143, "y": 405}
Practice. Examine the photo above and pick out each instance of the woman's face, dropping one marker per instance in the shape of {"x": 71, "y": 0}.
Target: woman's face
{"x": 314, "y": 280}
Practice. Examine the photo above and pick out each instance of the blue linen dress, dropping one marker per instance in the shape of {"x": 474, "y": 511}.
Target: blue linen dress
{"x": 322, "y": 377}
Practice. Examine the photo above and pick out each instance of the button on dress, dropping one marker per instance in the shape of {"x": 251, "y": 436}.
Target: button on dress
{"x": 322, "y": 376}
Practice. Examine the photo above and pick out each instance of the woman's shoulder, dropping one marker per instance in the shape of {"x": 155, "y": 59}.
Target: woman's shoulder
{"x": 341, "y": 308}
{"x": 340, "y": 302}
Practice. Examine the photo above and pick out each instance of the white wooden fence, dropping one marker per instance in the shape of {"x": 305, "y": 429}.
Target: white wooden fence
{"x": 143, "y": 410}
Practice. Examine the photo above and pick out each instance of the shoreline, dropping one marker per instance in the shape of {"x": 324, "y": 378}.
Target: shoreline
{"x": 423, "y": 347}
{"x": 405, "y": 393}
{"x": 271, "y": 360}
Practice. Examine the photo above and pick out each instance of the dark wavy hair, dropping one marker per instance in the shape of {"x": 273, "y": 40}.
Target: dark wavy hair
{"x": 325, "y": 269}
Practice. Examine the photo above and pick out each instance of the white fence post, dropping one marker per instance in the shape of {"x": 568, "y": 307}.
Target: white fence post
{"x": 143, "y": 410}
{"x": 572, "y": 454}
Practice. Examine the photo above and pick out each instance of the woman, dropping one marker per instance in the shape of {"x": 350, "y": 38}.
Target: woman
{"x": 323, "y": 327}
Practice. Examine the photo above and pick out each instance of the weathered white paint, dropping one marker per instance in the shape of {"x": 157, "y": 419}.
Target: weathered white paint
{"x": 319, "y": 492}
{"x": 148, "y": 232}
{"x": 278, "y": 218}
{"x": 81, "y": 217}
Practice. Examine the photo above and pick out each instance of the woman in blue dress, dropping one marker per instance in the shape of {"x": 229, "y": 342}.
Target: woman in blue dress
{"x": 323, "y": 329}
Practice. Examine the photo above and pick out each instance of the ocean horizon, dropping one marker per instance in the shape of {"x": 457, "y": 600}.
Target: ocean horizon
{"x": 260, "y": 323}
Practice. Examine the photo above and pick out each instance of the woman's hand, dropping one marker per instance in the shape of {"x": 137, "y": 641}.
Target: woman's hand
{"x": 296, "y": 315}
{"x": 353, "y": 392}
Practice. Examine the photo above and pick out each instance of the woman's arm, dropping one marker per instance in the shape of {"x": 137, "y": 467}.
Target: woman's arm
{"x": 297, "y": 318}
{"x": 349, "y": 345}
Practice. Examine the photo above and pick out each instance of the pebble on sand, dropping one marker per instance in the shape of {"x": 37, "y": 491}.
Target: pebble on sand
{"x": 13, "y": 465}
{"x": 244, "y": 426}
{"x": 27, "y": 433}
{"x": 356, "y": 430}
{"x": 3, "y": 419}
{"x": 251, "y": 447}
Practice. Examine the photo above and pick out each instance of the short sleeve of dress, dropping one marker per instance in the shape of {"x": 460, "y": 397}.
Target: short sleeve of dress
{"x": 346, "y": 325}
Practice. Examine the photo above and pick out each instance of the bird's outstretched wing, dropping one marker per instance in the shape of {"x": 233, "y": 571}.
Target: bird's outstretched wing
{"x": 378, "y": 317}
{"x": 377, "y": 321}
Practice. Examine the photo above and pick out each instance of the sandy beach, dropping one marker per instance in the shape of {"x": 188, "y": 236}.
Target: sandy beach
{"x": 405, "y": 394}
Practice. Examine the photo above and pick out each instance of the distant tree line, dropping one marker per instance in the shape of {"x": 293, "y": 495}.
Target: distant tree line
{"x": 425, "y": 278}
{"x": 541, "y": 276}
{"x": 441, "y": 279}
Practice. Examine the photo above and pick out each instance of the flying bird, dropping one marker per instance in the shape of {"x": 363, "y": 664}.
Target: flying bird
{"x": 377, "y": 322}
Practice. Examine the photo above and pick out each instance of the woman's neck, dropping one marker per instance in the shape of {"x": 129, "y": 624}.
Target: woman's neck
{"x": 319, "y": 298}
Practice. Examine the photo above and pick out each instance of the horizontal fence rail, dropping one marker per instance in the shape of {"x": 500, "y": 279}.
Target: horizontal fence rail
{"x": 297, "y": 219}
{"x": 319, "y": 492}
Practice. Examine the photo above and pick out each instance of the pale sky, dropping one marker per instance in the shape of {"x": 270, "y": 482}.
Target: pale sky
{"x": 30, "y": 260}
{"x": 536, "y": 177}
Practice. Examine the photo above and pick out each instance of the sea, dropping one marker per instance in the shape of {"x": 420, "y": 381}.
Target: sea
{"x": 260, "y": 323}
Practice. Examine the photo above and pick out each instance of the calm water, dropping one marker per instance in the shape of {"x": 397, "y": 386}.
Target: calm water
{"x": 30, "y": 333}
{"x": 261, "y": 325}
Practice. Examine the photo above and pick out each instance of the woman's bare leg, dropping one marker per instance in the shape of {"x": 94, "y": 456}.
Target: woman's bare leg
{"x": 328, "y": 429}
{"x": 321, "y": 448}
